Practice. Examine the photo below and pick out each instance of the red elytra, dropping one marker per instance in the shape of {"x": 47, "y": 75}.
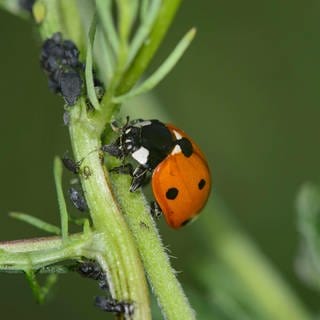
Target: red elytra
{"x": 181, "y": 185}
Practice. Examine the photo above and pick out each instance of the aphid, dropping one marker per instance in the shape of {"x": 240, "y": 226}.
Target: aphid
{"x": 78, "y": 199}
{"x": 70, "y": 86}
{"x": 75, "y": 166}
{"x": 91, "y": 269}
{"x": 115, "y": 306}
{"x": 71, "y": 165}
{"x": 180, "y": 178}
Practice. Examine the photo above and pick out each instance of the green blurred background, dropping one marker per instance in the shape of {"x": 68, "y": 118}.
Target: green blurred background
{"x": 246, "y": 91}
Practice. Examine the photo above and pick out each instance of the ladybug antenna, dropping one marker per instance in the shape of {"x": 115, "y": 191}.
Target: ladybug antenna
{"x": 88, "y": 154}
{"x": 117, "y": 126}
{"x": 92, "y": 151}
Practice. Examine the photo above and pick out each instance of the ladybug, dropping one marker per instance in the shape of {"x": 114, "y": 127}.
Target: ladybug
{"x": 180, "y": 175}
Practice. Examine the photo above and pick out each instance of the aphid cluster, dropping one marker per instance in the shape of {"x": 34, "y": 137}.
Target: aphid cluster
{"x": 92, "y": 270}
{"x": 60, "y": 60}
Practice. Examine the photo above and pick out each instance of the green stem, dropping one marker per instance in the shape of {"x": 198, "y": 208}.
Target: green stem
{"x": 52, "y": 19}
{"x": 168, "y": 291}
{"x": 115, "y": 249}
{"x": 40, "y": 252}
{"x": 120, "y": 257}
{"x": 103, "y": 10}
{"x": 117, "y": 254}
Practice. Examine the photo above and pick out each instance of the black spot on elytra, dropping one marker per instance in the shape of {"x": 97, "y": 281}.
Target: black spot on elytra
{"x": 186, "y": 146}
{"x": 201, "y": 184}
{"x": 172, "y": 193}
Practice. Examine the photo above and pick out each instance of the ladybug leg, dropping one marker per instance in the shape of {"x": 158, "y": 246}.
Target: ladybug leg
{"x": 123, "y": 169}
{"x": 155, "y": 210}
{"x": 115, "y": 306}
{"x": 139, "y": 178}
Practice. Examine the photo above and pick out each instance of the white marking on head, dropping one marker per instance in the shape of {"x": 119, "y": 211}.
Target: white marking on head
{"x": 177, "y": 134}
{"x": 141, "y": 155}
{"x": 127, "y": 131}
{"x": 176, "y": 150}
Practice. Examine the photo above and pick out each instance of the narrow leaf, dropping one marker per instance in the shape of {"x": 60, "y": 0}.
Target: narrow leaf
{"x": 160, "y": 27}
{"x": 148, "y": 17}
{"x": 89, "y": 66}
{"x": 144, "y": 6}
{"x": 36, "y": 222}
{"x": 127, "y": 13}
{"x": 104, "y": 8}
{"x": 40, "y": 293}
{"x": 162, "y": 71}
{"x": 57, "y": 169}
{"x": 104, "y": 57}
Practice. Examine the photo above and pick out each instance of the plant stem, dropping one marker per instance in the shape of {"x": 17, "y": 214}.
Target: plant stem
{"x": 168, "y": 291}
{"x": 117, "y": 253}
{"x": 120, "y": 257}
{"x": 115, "y": 250}
{"x": 37, "y": 253}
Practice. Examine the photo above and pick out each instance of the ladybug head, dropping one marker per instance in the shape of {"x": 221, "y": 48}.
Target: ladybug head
{"x": 127, "y": 142}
